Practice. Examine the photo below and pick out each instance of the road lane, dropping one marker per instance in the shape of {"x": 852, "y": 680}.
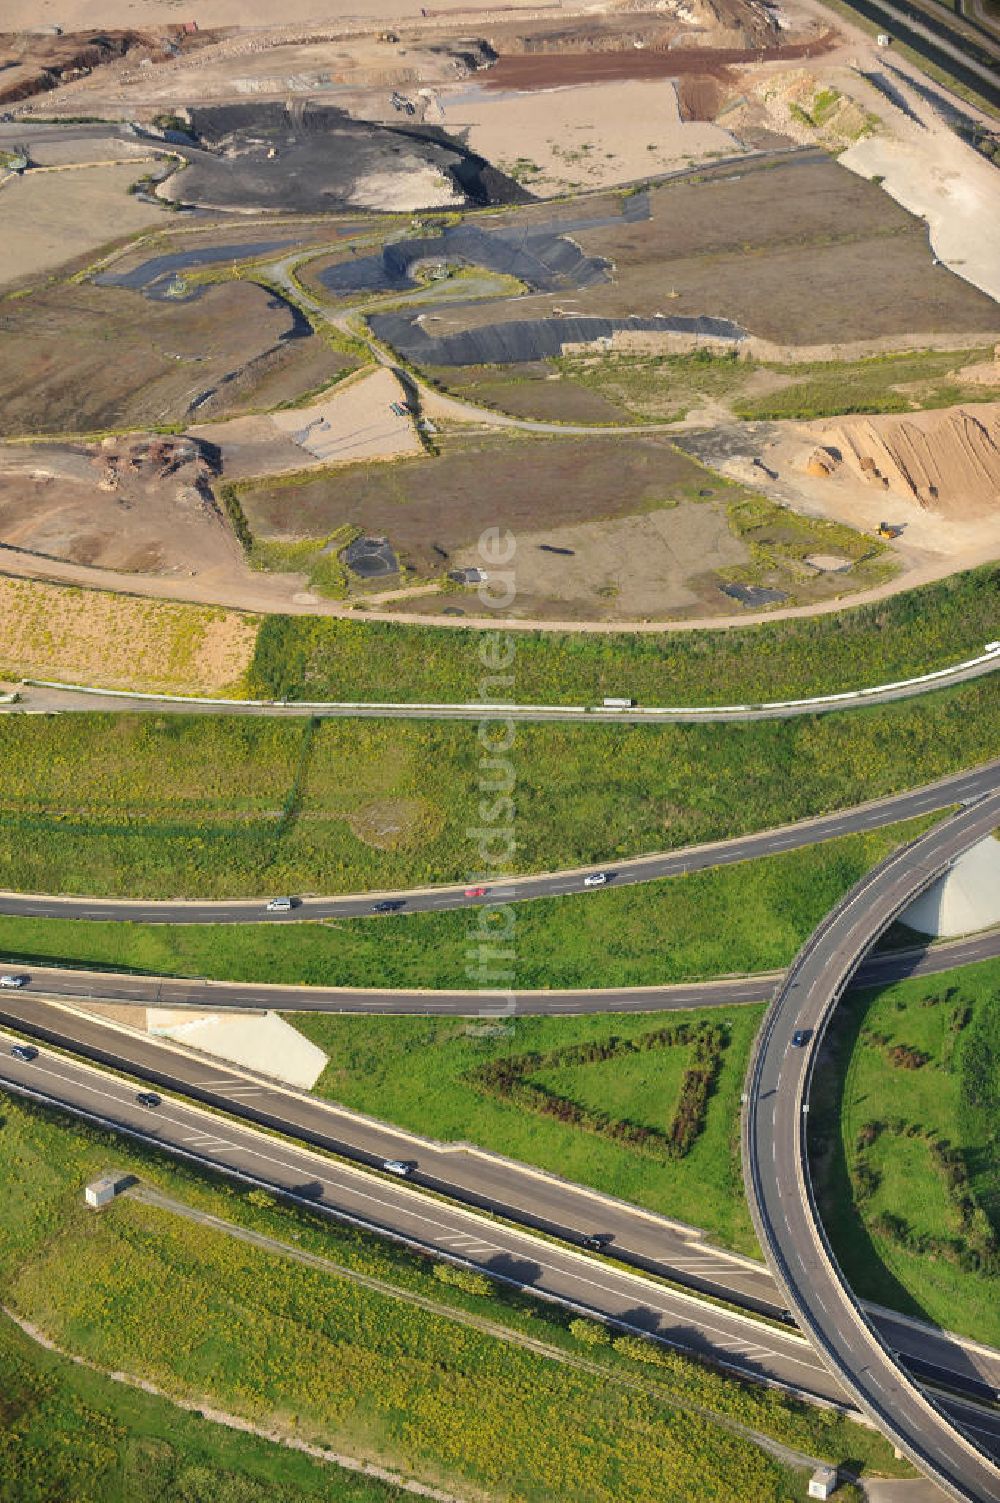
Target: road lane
{"x": 870, "y": 816}
{"x": 564, "y": 1275}
{"x": 777, "y": 1171}
{"x": 642, "y": 1240}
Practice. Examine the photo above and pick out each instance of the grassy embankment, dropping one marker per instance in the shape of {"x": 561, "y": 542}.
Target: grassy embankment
{"x": 908, "y": 634}
{"x": 665, "y": 388}
{"x": 416, "y": 1071}
{"x": 193, "y": 806}
{"x": 720, "y": 921}
{"x": 905, "y": 1138}
{"x": 402, "y": 1367}
{"x": 97, "y": 637}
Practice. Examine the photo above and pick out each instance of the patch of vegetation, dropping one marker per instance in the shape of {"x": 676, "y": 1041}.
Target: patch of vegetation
{"x": 217, "y": 806}
{"x": 270, "y": 1331}
{"x": 781, "y": 541}
{"x": 121, "y": 641}
{"x": 67, "y": 1432}
{"x": 721, "y": 921}
{"x": 669, "y": 386}
{"x": 520, "y": 1079}
{"x": 906, "y": 1155}
{"x": 910, "y": 633}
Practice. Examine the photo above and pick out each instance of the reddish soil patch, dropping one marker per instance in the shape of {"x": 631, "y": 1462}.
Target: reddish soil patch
{"x": 549, "y": 70}
{"x": 700, "y": 97}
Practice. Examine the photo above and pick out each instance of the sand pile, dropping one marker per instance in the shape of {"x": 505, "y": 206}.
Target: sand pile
{"x": 947, "y": 461}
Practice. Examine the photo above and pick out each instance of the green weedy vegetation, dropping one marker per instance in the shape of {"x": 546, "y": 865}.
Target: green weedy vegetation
{"x": 908, "y": 634}
{"x": 716, "y": 922}
{"x": 200, "y": 806}
{"x": 905, "y": 1142}
{"x": 669, "y": 386}
{"x": 407, "y": 1367}
{"x": 66, "y": 1432}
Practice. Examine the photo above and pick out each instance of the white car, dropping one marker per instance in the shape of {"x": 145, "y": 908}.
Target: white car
{"x": 279, "y": 905}
{"x": 13, "y": 981}
{"x": 397, "y": 1166}
{"x": 596, "y": 879}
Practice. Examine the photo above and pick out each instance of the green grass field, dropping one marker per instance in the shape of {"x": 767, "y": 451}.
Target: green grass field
{"x": 403, "y": 1368}
{"x": 903, "y": 1233}
{"x": 907, "y": 634}
{"x": 721, "y": 921}
{"x": 414, "y": 1072}
{"x": 199, "y": 806}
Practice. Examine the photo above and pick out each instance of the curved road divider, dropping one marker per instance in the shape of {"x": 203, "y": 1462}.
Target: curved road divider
{"x": 776, "y": 1167}
{"x": 985, "y": 662}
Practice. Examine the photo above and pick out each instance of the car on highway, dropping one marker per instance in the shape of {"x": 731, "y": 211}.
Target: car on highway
{"x": 12, "y": 981}
{"x": 398, "y": 1166}
{"x": 25, "y": 1052}
{"x": 280, "y": 905}
{"x": 476, "y": 892}
{"x": 147, "y": 1098}
{"x": 388, "y": 905}
{"x": 801, "y": 1037}
{"x": 596, "y": 1241}
{"x": 596, "y": 879}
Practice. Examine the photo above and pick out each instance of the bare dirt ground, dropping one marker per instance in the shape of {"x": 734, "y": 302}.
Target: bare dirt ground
{"x": 87, "y": 636}
{"x": 356, "y": 422}
{"x": 956, "y": 529}
{"x": 51, "y": 217}
{"x": 795, "y": 250}
{"x": 80, "y": 359}
{"x": 662, "y": 563}
{"x": 589, "y": 136}
{"x": 140, "y": 505}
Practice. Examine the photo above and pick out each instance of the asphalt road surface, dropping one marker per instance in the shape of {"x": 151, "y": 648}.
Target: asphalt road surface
{"x": 160, "y": 991}
{"x": 481, "y": 1181}
{"x": 870, "y": 816}
{"x": 40, "y": 697}
{"x": 776, "y": 1163}
{"x": 386, "y": 1204}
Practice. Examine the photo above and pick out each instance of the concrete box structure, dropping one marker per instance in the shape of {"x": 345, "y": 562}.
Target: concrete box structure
{"x": 100, "y": 1192}
{"x": 823, "y": 1482}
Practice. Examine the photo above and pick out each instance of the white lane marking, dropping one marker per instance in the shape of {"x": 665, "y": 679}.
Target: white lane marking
{"x": 417, "y": 1214}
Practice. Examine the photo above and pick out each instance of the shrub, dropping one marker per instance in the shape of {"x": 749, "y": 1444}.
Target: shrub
{"x": 466, "y": 1279}
{"x": 589, "y": 1332}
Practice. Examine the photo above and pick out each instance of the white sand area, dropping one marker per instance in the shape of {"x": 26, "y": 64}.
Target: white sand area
{"x": 584, "y": 136}
{"x": 963, "y": 901}
{"x": 355, "y": 422}
{"x": 261, "y": 1041}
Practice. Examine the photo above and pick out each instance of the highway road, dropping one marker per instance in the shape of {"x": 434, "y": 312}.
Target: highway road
{"x": 869, "y": 816}
{"x": 79, "y": 984}
{"x": 473, "y": 1178}
{"x": 777, "y": 1171}
{"x": 561, "y": 1273}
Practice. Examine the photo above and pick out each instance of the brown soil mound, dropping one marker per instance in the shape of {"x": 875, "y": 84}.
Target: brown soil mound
{"x": 948, "y": 461}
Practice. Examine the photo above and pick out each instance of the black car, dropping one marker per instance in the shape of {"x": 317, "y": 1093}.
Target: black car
{"x": 147, "y": 1098}
{"x": 388, "y": 905}
{"x": 26, "y": 1052}
{"x": 801, "y": 1037}
{"x": 596, "y": 1242}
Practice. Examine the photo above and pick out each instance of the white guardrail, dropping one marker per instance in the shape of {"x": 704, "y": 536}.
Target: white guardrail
{"x": 989, "y": 655}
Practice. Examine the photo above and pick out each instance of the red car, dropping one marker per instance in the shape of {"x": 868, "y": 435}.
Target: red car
{"x": 476, "y": 892}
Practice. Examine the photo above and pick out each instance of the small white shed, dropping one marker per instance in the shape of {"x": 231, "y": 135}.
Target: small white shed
{"x": 823, "y": 1482}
